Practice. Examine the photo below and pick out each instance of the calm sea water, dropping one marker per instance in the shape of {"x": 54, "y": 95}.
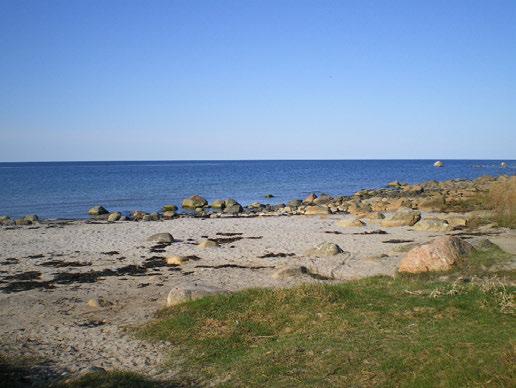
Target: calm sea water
{"x": 67, "y": 190}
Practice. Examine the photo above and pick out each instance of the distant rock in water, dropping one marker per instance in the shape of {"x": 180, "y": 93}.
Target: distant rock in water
{"x": 503, "y": 165}
{"x": 438, "y": 164}
{"x": 268, "y": 196}
{"x": 97, "y": 211}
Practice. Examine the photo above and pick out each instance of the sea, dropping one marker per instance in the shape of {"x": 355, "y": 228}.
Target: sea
{"x": 66, "y": 190}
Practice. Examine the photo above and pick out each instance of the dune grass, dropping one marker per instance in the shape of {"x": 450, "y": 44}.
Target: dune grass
{"x": 502, "y": 199}
{"x": 407, "y": 331}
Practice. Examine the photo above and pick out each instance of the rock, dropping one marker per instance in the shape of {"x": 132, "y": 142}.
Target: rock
{"x": 169, "y": 214}
{"x": 442, "y": 254}
{"x": 114, "y": 216}
{"x": 98, "y": 302}
{"x": 5, "y": 220}
{"x": 324, "y": 249}
{"x": 256, "y": 205}
{"x": 147, "y": 217}
{"x": 434, "y": 203}
{"x": 163, "y": 238}
{"x": 183, "y": 294}
{"x": 394, "y": 184}
{"x": 22, "y": 221}
{"x": 438, "y": 164}
{"x": 176, "y": 260}
{"x": 32, "y": 218}
{"x": 323, "y": 199}
{"x": 154, "y": 216}
{"x": 138, "y": 215}
{"x": 288, "y": 271}
{"x": 432, "y": 225}
{"x": 97, "y": 211}
{"x": 169, "y": 208}
{"x": 233, "y": 209}
{"x": 503, "y": 165}
{"x": 295, "y": 203}
{"x": 268, "y": 196}
{"x": 350, "y": 223}
{"x": 310, "y": 199}
{"x": 230, "y": 202}
{"x": 457, "y": 221}
{"x": 316, "y": 210}
{"x": 92, "y": 370}
{"x": 375, "y": 216}
{"x": 403, "y": 217}
{"x": 397, "y": 204}
{"x": 195, "y": 201}
{"x": 218, "y": 204}
{"x": 207, "y": 243}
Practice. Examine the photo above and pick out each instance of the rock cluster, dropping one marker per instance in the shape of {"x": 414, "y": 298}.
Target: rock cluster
{"x": 397, "y": 205}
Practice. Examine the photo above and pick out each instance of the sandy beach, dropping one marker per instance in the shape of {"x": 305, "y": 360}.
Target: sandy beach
{"x": 72, "y": 323}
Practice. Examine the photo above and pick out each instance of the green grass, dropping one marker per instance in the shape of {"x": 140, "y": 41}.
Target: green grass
{"x": 402, "y": 332}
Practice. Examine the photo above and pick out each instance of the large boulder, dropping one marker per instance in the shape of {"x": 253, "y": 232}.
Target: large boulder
{"x": 163, "y": 238}
{"x": 316, "y": 210}
{"x": 97, "y": 211}
{"x": 194, "y": 202}
{"x": 403, "y": 217}
{"x": 432, "y": 225}
{"x": 324, "y": 249}
{"x": 181, "y": 294}
{"x": 442, "y": 254}
{"x": 169, "y": 208}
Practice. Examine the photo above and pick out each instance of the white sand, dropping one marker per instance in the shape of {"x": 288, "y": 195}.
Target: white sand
{"x": 46, "y": 323}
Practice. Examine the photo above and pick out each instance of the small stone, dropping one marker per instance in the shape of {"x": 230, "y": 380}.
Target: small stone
{"x": 324, "y": 249}
{"x": 268, "y": 196}
{"x": 169, "y": 214}
{"x": 432, "y": 225}
{"x": 176, "y": 260}
{"x": 316, "y": 210}
{"x": 350, "y": 223}
{"x": 169, "y": 208}
{"x": 207, "y": 243}
{"x": 32, "y": 218}
{"x": 164, "y": 238}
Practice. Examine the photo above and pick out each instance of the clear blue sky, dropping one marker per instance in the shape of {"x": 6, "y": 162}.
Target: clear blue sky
{"x": 130, "y": 80}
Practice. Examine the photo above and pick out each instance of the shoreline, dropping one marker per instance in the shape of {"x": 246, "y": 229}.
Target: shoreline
{"x": 70, "y": 291}
{"x": 222, "y": 208}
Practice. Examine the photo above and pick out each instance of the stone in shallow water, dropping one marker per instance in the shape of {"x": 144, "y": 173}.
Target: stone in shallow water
{"x": 115, "y": 216}
{"x": 194, "y": 202}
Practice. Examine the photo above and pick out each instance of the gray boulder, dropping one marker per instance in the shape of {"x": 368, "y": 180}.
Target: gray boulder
{"x": 97, "y": 211}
